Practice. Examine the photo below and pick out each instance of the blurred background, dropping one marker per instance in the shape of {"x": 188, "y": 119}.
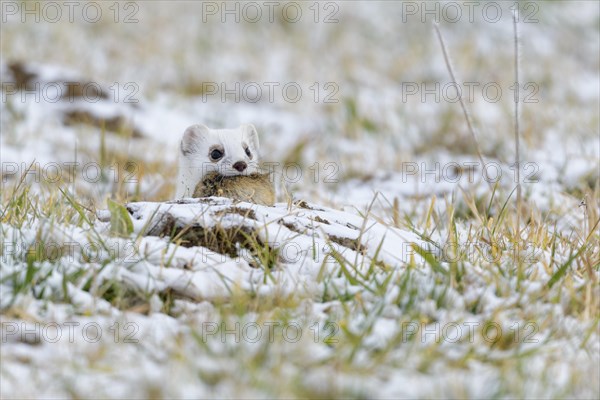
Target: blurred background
{"x": 352, "y": 95}
{"x": 353, "y": 103}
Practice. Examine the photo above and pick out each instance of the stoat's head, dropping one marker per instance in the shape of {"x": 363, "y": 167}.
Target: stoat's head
{"x": 226, "y": 151}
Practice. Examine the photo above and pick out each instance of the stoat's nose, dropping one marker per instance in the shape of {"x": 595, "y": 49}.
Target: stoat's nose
{"x": 240, "y": 166}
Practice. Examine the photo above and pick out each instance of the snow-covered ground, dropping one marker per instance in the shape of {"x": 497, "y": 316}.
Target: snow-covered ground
{"x": 389, "y": 266}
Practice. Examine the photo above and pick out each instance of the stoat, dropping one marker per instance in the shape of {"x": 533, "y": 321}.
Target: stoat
{"x": 222, "y": 162}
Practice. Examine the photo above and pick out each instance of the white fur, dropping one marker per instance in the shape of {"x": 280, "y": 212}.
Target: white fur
{"x": 195, "y": 147}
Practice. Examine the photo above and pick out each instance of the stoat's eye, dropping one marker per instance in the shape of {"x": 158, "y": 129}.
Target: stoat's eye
{"x": 248, "y": 153}
{"x": 216, "y": 154}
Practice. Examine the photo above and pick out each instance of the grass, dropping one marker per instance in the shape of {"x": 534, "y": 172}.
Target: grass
{"x": 358, "y": 293}
{"x": 369, "y": 321}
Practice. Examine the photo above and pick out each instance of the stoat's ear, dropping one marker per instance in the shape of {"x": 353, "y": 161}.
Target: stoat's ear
{"x": 251, "y": 135}
{"x": 192, "y": 137}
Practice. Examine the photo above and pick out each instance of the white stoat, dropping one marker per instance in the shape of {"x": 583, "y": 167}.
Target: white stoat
{"x": 228, "y": 152}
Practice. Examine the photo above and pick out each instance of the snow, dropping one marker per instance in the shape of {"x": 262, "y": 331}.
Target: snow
{"x": 376, "y": 317}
